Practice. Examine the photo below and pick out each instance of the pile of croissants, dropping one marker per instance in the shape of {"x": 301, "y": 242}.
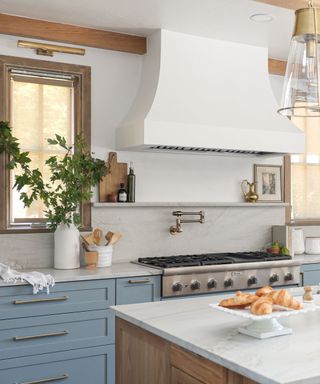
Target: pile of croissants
{"x": 263, "y": 302}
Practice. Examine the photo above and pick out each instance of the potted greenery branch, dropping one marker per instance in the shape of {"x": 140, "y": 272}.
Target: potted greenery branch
{"x": 72, "y": 177}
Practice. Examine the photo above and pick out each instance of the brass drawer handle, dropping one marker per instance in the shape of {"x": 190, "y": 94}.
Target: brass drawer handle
{"x": 31, "y": 337}
{"x": 49, "y": 379}
{"x": 49, "y": 300}
{"x": 139, "y": 281}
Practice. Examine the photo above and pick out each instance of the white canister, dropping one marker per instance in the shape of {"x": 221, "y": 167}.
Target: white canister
{"x": 297, "y": 241}
{"x": 313, "y": 245}
{"x": 104, "y": 255}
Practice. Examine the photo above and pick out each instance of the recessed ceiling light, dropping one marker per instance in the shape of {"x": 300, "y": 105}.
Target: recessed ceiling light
{"x": 261, "y": 17}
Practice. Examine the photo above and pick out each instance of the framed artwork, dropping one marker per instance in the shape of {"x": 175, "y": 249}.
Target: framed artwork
{"x": 269, "y": 182}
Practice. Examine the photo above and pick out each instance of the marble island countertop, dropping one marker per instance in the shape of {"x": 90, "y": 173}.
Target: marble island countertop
{"x": 117, "y": 270}
{"x": 193, "y": 325}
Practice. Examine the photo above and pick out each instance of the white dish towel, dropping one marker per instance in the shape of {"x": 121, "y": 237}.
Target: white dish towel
{"x": 38, "y": 280}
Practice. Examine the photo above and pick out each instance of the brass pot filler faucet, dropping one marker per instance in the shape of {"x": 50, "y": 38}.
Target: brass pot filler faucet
{"x": 174, "y": 229}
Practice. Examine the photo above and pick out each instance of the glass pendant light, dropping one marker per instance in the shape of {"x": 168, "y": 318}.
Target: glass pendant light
{"x": 300, "y": 96}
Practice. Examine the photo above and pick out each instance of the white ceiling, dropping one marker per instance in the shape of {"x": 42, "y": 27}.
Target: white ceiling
{"x": 221, "y": 19}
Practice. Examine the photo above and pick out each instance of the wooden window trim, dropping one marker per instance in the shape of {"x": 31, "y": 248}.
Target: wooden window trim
{"x": 82, "y": 118}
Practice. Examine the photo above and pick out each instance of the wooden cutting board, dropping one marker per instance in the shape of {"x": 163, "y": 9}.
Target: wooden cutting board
{"x": 117, "y": 174}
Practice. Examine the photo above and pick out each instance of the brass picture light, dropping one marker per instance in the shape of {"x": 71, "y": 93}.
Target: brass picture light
{"x": 49, "y": 49}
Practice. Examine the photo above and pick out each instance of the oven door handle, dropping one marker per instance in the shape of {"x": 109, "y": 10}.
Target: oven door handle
{"x": 302, "y": 279}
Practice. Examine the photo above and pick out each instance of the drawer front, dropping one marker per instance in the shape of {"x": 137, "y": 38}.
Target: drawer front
{"x": 18, "y": 301}
{"x": 92, "y": 365}
{"x": 138, "y": 289}
{"x": 36, "y": 335}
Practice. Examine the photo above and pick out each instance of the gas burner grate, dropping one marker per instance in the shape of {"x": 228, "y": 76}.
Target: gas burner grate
{"x": 210, "y": 259}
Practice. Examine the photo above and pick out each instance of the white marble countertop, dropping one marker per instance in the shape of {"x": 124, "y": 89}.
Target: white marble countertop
{"x": 117, "y": 270}
{"x": 192, "y": 324}
{"x": 307, "y": 259}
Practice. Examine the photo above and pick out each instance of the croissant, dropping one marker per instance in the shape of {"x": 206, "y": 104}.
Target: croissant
{"x": 284, "y": 299}
{"x": 241, "y": 300}
{"x": 264, "y": 291}
{"x": 262, "y": 306}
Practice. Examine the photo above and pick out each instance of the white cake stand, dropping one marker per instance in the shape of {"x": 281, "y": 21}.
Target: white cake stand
{"x": 266, "y": 326}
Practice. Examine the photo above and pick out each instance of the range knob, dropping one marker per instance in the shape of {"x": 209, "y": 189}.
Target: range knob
{"x": 288, "y": 276}
{"x": 212, "y": 283}
{"x": 195, "y": 285}
{"x": 252, "y": 280}
{"x": 274, "y": 278}
{"x": 176, "y": 287}
{"x": 228, "y": 283}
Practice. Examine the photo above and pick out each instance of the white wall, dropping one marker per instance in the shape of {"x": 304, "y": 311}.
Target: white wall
{"x": 160, "y": 177}
{"x": 277, "y": 85}
{"x": 115, "y": 79}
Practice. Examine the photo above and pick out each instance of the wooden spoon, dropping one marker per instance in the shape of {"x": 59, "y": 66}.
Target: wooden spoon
{"x": 85, "y": 246}
{"x": 115, "y": 238}
{"x": 108, "y": 237}
{"x": 97, "y": 235}
{"x": 88, "y": 239}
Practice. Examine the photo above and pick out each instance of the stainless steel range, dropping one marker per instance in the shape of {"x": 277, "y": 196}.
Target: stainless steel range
{"x": 218, "y": 272}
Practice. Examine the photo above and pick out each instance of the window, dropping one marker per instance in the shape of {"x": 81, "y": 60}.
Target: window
{"x": 40, "y": 99}
{"x": 305, "y": 173}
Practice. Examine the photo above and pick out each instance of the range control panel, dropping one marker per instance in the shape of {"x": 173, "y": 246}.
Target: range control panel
{"x": 199, "y": 283}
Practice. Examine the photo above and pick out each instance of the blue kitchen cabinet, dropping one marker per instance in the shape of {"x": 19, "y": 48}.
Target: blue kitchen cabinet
{"x": 19, "y": 301}
{"x": 141, "y": 289}
{"x": 80, "y": 366}
{"x": 69, "y": 335}
{"x": 310, "y": 274}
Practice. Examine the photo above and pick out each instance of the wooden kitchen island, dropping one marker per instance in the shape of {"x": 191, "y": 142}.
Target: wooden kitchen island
{"x": 144, "y": 358}
{"x": 187, "y": 342}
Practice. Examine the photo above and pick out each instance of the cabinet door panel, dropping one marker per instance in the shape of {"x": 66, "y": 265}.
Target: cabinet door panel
{"x": 141, "y": 289}
{"x": 92, "y": 365}
{"x": 46, "y": 334}
{"x": 179, "y": 377}
{"x": 18, "y": 301}
{"x": 310, "y": 274}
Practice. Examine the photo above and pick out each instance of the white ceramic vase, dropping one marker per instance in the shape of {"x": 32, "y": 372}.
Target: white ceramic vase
{"x": 66, "y": 247}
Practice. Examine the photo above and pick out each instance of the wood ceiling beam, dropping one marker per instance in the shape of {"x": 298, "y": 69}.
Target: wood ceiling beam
{"x": 71, "y": 34}
{"x": 290, "y": 4}
{"x": 277, "y": 67}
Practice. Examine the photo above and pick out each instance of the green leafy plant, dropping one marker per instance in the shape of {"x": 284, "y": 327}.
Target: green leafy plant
{"x": 71, "y": 177}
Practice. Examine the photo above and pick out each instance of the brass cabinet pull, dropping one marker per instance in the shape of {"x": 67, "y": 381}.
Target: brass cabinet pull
{"x": 48, "y": 300}
{"x": 49, "y": 379}
{"x": 139, "y": 281}
{"x": 31, "y": 337}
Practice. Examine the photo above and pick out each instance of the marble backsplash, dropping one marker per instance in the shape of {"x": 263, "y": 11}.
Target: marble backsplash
{"x": 146, "y": 233}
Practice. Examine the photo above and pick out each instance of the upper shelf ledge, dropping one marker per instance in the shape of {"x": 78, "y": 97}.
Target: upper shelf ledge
{"x": 187, "y": 204}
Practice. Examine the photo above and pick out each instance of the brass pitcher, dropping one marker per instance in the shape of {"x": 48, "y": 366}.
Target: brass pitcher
{"x": 249, "y": 191}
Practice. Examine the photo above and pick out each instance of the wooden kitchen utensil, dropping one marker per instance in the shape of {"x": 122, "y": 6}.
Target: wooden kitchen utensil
{"x": 108, "y": 237}
{"x": 97, "y": 235}
{"x": 89, "y": 239}
{"x": 117, "y": 174}
{"x": 115, "y": 238}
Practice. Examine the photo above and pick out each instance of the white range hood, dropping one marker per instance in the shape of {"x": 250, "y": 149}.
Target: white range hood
{"x": 207, "y": 96}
